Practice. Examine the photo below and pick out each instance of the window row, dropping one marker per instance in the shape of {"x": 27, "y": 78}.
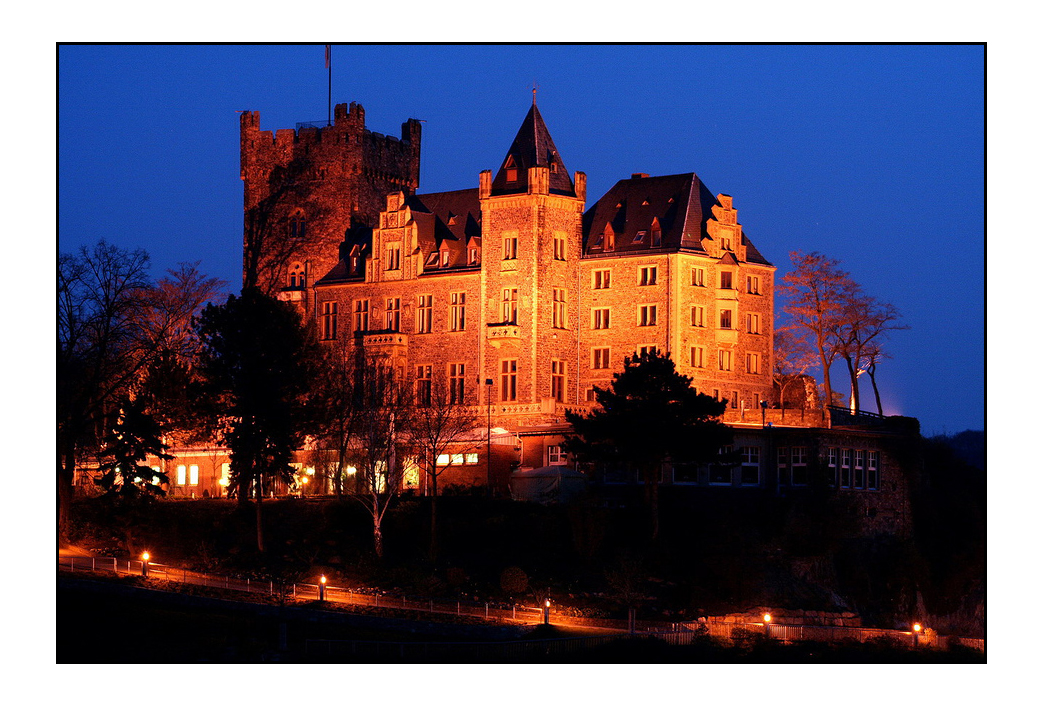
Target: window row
{"x": 509, "y": 380}
{"x": 854, "y": 469}
{"x": 601, "y": 358}
{"x": 363, "y": 318}
{"x": 648, "y": 276}
{"x": 426, "y": 392}
{"x": 558, "y": 249}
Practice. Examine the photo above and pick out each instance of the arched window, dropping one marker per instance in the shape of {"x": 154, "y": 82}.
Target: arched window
{"x": 297, "y": 225}
{"x": 296, "y": 279}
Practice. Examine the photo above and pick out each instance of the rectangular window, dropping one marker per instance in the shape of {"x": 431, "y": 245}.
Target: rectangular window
{"x": 510, "y": 305}
{"x": 424, "y": 313}
{"x": 800, "y": 465}
{"x": 445, "y": 258}
{"x": 472, "y": 256}
{"x": 559, "y": 248}
{"x": 751, "y": 465}
{"x": 698, "y": 357}
{"x": 362, "y": 315}
{"x": 860, "y": 469}
{"x": 783, "y": 465}
{"x": 423, "y": 385}
{"x": 647, "y": 276}
{"x": 726, "y": 318}
{"x": 555, "y": 456}
{"x": 601, "y": 358}
{"x": 329, "y": 320}
{"x": 602, "y": 279}
{"x": 193, "y": 475}
{"x": 181, "y": 479}
{"x": 394, "y": 256}
{"x": 833, "y": 466}
{"x": 726, "y": 280}
{"x": 471, "y": 459}
{"x": 557, "y": 380}
{"x": 508, "y": 380}
{"x": 753, "y": 363}
{"x": 735, "y": 399}
{"x": 721, "y": 474}
{"x": 698, "y": 316}
{"x": 393, "y": 314}
{"x": 591, "y": 394}
{"x": 510, "y": 248}
{"x": 601, "y": 318}
{"x": 558, "y": 313}
{"x": 456, "y": 311}
{"x": 647, "y": 315}
{"x": 698, "y": 277}
{"x": 726, "y": 243}
{"x": 753, "y": 323}
{"x": 845, "y": 468}
{"x": 646, "y": 350}
{"x": 724, "y": 360}
{"x": 873, "y": 471}
{"x": 456, "y": 383}
{"x": 753, "y": 284}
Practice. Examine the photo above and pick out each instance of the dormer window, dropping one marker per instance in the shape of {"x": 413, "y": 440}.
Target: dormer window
{"x": 472, "y": 256}
{"x": 445, "y": 258}
{"x": 640, "y": 237}
{"x": 610, "y": 238}
{"x": 432, "y": 260}
{"x": 512, "y": 168}
{"x": 657, "y": 233}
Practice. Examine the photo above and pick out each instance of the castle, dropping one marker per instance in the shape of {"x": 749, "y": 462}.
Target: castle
{"x": 518, "y": 299}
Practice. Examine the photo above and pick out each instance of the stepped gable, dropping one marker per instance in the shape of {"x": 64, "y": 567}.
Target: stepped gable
{"x": 532, "y": 147}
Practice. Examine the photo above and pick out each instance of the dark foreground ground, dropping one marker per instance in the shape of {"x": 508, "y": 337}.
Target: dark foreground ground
{"x": 105, "y": 622}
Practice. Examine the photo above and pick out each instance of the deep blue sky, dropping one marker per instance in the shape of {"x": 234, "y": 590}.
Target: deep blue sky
{"x": 874, "y": 155}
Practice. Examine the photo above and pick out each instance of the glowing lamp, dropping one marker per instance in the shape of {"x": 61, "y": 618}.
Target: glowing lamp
{"x": 322, "y": 579}
{"x": 917, "y": 627}
{"x": 145, "y": 556}
{"x": 547, "y": 603}
{"x": 305, "y": 479}
{"x": 767, "y": 617}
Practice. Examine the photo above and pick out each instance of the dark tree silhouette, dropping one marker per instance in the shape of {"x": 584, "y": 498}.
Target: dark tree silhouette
{"x": 651, "y": 413}
{"x": 135, "y": 436}
{"x": 258, "y": 360}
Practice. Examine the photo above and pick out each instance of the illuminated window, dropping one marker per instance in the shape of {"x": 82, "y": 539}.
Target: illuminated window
{"x": 362, "y": 315}
{"x": 557, "y": 380}
{"x": 601, "y": 318}
{"x": 510, "y": 305}
{"x": 753, "y": 284}
{"x": 698, "y": 316}
{"x": 602, "y": 279}
{"x": 424, "y": 310}
{"x": 601, "y": 358}
{"x": 647, "y": 276}
{"x": 698, "y": 277}
{"x": 555, "y": 456}
{"x": 456, "y": 383}
{"x": 751, "y": 465}
{"x": 423, "y": 385}
{"x": 471, "y": 458}
{"x": 753, "y": 323}
{"x": 193, "y": 475}
{"x": 510, "y": 248}
{"x": 442, "y": 460}
{"x": 508, "y": 380}
{"x": 181, "y": 475}
{"x": 647, "y": 315}
{"x": 558, "y": 313}
{"x": 394, "y": 256}
{"x": 456, "y": 311}
{"x": 726, "y": 280}
{"x": 393, "y": 314}
{"x": 329, "y": 320}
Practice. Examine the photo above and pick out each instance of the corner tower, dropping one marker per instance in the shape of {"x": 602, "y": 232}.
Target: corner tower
{"x": 306, "y": 188}
{"x": 532, "y": 241}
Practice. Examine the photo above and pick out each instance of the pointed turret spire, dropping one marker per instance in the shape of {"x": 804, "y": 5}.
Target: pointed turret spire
{"x": 532, "y": 147}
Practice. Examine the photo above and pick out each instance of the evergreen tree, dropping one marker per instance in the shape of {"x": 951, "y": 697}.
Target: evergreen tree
{"x": 135, "y": 436}
{"x": 651, "y": 413}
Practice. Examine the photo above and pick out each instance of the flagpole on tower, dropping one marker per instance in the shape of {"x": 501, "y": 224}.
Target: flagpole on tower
{"x": 329, "y": 94}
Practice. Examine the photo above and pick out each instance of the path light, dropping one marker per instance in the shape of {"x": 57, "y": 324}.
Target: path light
{"x": 916, "y": 634}
{"x": 144, "y": 563}
{"x": 546, "y": 612}
{"x": 767, "y": 624}
{"x": 767, "y": 618}
{"x": 322, "y": 588}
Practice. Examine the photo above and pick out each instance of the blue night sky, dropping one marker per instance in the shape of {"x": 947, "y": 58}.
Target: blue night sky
{"x": 874, "y": 155}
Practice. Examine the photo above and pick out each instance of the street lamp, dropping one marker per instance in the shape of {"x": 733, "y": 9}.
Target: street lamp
{"x": 144, "y": 563}
{"x": 546, "y": 612}
{"x": 322, "y": 588}
{"x": 767, "y": 624}
{"x": 916, "y": 634}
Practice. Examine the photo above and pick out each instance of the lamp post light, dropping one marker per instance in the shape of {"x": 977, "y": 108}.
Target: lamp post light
{"x": 546, "y": 612}
{"x": 767, "y": 625}
{"x": 322, "y": 588}
{"x": 144, "y": 563}
{"x": 916, "y": 634}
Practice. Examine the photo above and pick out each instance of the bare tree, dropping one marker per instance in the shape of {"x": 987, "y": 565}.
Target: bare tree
{"x": 439, "y": 421}
{"x": 860, "y": 335}
{"x": 817, "y": 293}
{"x": 793, "y": 358}
{"x": 113, "y": 323}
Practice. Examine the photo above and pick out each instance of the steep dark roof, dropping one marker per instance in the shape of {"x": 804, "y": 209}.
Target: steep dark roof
{"x": 532, "y": 147}
{"x": 447, "y": 220}
{"x": 679, "y": 204}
